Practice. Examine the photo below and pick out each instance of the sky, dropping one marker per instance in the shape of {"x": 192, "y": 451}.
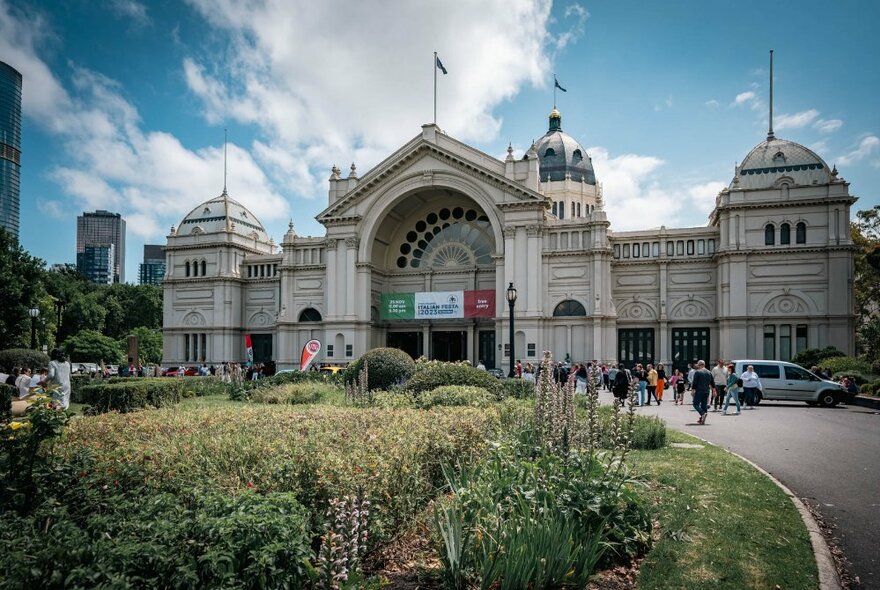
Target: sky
{"x": 125, "y": 102}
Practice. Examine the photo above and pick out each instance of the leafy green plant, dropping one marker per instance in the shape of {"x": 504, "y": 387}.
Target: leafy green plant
{"x": 843, "y": 364}
{"x": 357, "y": 392}
{"x": 388, "y": 366}
{"x": 15, "y": 358}
{"x": 293, "y": 393}
{"x": 7, "y": 393}
{"x": 429, "y": 375}
{"x": 517, "y": 388}
{"x": 456, "y": 395}
{"x": 136, "y": 394}
{"x": 813, "y": 356}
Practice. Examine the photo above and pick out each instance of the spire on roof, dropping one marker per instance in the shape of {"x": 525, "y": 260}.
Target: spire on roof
{"x": 770, "y": 129}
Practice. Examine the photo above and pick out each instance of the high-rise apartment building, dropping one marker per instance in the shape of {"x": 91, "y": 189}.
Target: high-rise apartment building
{"x": 96, "y": 262}
{"x": 101, "y": 228}
{"x": 152, "y": 269}
{"x": 10, "y": 148}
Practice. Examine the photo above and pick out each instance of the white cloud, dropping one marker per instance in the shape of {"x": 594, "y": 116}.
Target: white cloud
{"x": 714, "y": 104}
{"x": 744, "y": 98}
{"x": 702, "y": 196}
{"x": 131, "y": 9}
{"x": 865, "y": 148}
{"x": 351, "y": 97}
{"x": 795, "y": 120}
{"x": 112, "y": 162}
{"x": 54, "y": 209}
{"x": 828, "y": 125}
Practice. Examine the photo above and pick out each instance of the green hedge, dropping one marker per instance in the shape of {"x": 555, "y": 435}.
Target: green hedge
{"x": 517, "y": 388}
{"x": 430, "y": 375}
{"x": 813, "y": 356}
{"x": 7, "y": 394}
{"x": 77, "y": 382}
{"x": 132, "y": 395}
{"x": 385, "y": 367}
{"x": 456, "y": 395}
{"x": 844, "y": 364}
{"x": 294, "y": 393}
{"x": 22, "y": 357}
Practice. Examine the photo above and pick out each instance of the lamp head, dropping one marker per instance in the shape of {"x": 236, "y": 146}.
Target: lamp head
{"x": 511, "y": 294}
{"x": 34, "y": 312}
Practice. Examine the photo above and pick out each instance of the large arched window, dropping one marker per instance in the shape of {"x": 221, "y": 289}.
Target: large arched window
{"x": 186, "y": 266}
{"x": 785, "y": 234}
{"x": 549, "y": 152}
{"x": 449, "y": 237}
{"x": 800, "y": 233}
{"x": 769, "y": 234}
{"x": 569, "y": 307}
{"x": 310, "y": 314}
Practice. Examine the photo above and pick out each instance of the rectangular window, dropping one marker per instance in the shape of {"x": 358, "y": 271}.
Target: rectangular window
{"x": 767, "y": 371}
{"x": 679, "y": 248}
{"x": 646, "y": 249}
{"x": 186, "y": 347}
{"x": 701, "y": 247}
{"x": 670, "y": 248}
{"x": 204, "y": 347}
{"x": 800, "y": 338}
{"x": 531, "y": 349}
{"x": 711, "y": 246}
{"x": 617, "y": 250}
{"x": 579, "y": 209}
{"x": 349, "y": 350}
{"x": 195, "y": 343}
{"x": 507, "y": 349}
{"x": 770, "y": 342}
{"x": 655, "y": 249}
{"x": 690, "y": 247}
{"x": 636, "y": 250}
{"x": 785, "y": 342}
{"x": 572, "y": 210}
{"x": 626, "y": 250}
{"x": 330, "y": 350}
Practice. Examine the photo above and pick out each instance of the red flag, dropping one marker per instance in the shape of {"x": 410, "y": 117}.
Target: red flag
{"x": 248, "y": 348}
{"x": 309, "y": 352}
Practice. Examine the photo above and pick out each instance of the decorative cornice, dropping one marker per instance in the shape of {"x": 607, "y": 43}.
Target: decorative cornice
{"x": 352, "y": 242}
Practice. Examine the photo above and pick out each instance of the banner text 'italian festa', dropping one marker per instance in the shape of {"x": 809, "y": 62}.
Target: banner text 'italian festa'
{"x": 437, "y": 305}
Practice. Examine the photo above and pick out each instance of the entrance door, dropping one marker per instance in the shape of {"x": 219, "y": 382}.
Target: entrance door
{"x": 408, "y": 342}
{"x": 688, "y": 346}
{"x": 487, "y": 348}
{"x": 636, "y": 346}
{"x": 449, "y": 346}
{"x": 262, "y": 344}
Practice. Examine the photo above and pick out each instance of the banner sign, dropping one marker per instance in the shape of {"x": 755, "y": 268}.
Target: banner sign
{"x": 249, "y": 349}
{"x": 309, "y": 352}
{"x": 437, "y": 305}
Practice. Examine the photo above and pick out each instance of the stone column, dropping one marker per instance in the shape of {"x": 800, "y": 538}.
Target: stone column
{"x": 330, "y": 272}
{"x": 351, "y": 246}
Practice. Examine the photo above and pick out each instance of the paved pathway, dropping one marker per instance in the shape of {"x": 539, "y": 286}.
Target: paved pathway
{"x": 829, "y": 456}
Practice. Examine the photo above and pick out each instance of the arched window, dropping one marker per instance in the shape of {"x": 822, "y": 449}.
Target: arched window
{"x": 549, "y": 152}
{"x": 579, "y": 209}
{"x": 785, "y": 234}
{"x": 569, "y": 307}
{"x": 800, "y": 233}
{"x": 577, "y": 155}
{"x": 204, "y": 270}
{"x": 310, "y": 314}
{"x": 561, "y": 209}
{"x": 187, "y": 268}
{"x": 769, "y": 234}
{"x": 195, "y": 268}
{"x": 555, "y": 207}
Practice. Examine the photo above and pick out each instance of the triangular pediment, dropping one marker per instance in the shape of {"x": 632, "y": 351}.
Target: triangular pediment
{"x": 427, "y": 155}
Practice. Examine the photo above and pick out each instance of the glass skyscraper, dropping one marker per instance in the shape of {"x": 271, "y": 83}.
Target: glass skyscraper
{"x": 152, "y": 269}
{"x": 95, "y": 263}
{"x": 10, "y": 148}
{"x": 99, "y": 228}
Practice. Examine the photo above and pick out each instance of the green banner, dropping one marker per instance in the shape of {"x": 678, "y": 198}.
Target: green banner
{"x": 397, "y": 306}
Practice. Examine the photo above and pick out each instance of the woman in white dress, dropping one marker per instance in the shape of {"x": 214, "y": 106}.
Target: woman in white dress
{"x": 59, "y": 372}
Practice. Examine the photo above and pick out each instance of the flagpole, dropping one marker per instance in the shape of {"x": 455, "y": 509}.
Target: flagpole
{"x": 554, "y": 90}
{"x": 434, "y": 67}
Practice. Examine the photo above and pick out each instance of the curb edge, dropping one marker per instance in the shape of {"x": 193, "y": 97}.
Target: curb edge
{"x": 827, "y": 570}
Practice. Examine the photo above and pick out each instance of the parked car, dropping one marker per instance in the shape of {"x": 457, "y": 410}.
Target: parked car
{"x": 113, "y": 370}
{"x": 85, "y": 368}
{"x": 332, "y": 369}
{"x": 789, "y": 382}
{"x": 497, "y": 373}
{"x": 175, "y": 371}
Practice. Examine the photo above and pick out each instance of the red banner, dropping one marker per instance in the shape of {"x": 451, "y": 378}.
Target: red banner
{"x": 479, "y": 304}
{"x": 309, "y": 352}
{"x": 248, "y": 349}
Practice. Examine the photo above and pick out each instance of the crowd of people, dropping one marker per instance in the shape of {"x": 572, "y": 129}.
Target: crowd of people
{"x": 54, "y": 378}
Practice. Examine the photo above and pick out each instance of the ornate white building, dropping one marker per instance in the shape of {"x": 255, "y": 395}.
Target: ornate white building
{"x": 439, "y": 223}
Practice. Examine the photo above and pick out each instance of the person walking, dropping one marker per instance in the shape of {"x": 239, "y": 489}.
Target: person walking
{"x": 661, "y": 382}
{"x": 719, "y": 380}
{"x": 620, "y": 385}
{"x": 734, "y": 386}
{"x": 59, "y": 373}
{"x": 701, "y": 384}
{"x": 751, "y": 386}
{"x": 652, "y": 384}
{"x": 673, "y": 384}
{"x": 642, "y": 375}
{"x": 581, "y": 377}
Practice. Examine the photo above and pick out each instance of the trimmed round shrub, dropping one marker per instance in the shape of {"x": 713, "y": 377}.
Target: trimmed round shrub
{"x": 456, "y": 395}
{"x": 517, "y": 388}
{"x": 813, "y": 356}
{"x": 856, "y": 376}
{"x": 22, "y": 357}
{"x": 866, "y": 388}
{"x": 846, "y": 364}
{"x": 430, "y": 375}
{"x": 385, "y": 367}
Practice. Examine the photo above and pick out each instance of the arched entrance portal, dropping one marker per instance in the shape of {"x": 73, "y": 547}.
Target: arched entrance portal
{"x": 433, "y": 276}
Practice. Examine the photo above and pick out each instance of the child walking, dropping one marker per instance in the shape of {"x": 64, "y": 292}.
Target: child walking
{"x": 734, "y": 387}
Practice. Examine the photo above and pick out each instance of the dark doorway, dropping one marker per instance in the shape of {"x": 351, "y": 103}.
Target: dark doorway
{"x": 262, "y": 344}
{"x": 449, "y": 346}
{"x": 487, "y": 348}
{"x": 688, "y": 346}
{"x": 408, "y": 342}
{"x": 636, "y": 346}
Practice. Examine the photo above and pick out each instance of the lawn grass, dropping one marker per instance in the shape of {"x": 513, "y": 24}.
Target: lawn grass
{"x": 722, "y": 523}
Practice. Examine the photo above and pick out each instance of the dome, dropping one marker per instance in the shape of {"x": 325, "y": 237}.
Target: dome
{"x": 560, "y": 155}
{"x": 222, "y": 214}
{"x": 776, "y": 159}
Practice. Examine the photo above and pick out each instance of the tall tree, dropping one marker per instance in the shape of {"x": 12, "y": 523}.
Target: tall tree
{"x": 866, "y": 284}
{"x": 20, "y": 288}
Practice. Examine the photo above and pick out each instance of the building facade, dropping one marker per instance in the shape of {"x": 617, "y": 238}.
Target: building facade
{"x": 101, "y": 228}
{"x": 419, "y": 251}
{"x": 10, "y": 149}
{"x": 152, "y": 269}
{"x": 96, "y": 263}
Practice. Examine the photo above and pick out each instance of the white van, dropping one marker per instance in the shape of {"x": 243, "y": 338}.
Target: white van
{"x": 789, "y": 382}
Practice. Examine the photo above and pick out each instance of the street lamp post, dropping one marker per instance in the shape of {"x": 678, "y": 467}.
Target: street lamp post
{"x": 59, "y": 309}
{"x": 34, "y": 312}
{"x": 511, "y": 301}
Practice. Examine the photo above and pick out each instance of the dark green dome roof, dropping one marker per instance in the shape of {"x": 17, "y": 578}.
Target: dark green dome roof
{"x": 559, "y": 154}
